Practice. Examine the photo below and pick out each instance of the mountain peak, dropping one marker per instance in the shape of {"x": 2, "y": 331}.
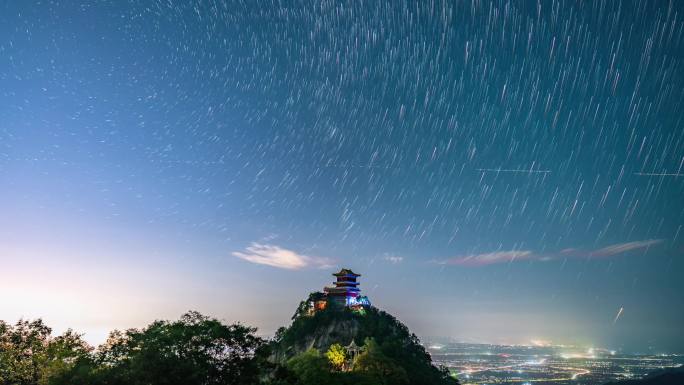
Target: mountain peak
{"x": 332, "y": 321}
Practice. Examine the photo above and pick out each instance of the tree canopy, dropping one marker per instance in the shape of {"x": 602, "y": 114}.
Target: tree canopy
{"x": 29, "y": 354}
{"x": 199, "y": 350}
{"x": 193, "y": 350}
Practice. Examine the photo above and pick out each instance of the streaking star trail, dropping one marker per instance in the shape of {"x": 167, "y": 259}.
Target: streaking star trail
{"x": 502, "y": 170}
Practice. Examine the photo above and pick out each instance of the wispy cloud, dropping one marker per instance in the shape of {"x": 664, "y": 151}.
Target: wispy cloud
{"x": 393, "y": 258}
{"x": 625, "y": 247}
{"x": 281, "y": 258}
{"x": 508, "y": 256}
{"x": 489, "y": 258}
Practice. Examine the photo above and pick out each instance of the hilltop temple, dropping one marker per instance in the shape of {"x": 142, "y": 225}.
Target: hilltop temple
{"x": 345, "y": 294}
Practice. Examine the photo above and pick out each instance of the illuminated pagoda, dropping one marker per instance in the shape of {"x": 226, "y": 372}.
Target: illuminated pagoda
{"x": 346, "y": 292}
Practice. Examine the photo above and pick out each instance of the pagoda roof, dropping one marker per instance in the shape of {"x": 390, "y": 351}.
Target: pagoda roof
{"x": 353, "y": 346}
{"x": 329, "y": 289}
{"x": 346, "y": 272}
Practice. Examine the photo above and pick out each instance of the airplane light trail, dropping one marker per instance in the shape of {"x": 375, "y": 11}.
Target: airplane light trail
{"x": 658, "y": 174}
{"x": 359, "y": 166}
{"x": 513, "y": 170}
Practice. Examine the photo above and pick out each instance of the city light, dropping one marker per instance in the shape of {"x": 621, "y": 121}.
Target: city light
{"x": 536, "y": 365}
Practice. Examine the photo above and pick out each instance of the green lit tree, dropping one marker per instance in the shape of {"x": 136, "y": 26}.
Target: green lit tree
{"x": 337, "y": 356}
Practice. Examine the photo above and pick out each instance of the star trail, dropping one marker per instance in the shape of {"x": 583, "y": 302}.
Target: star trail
{"x": 498, "y": 170}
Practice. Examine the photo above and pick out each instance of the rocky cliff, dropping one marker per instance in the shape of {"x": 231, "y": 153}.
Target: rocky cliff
{"x": 324, "y": 328}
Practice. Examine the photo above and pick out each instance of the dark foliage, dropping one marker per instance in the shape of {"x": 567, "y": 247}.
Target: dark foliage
{"x": 30, "y": 355}
{"x": 193, "y": 350}
{"x": 393, "y": 338}
{"x": 198, "y": 350}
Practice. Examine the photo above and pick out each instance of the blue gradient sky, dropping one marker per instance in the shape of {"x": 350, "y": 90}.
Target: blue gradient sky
{"x": 482, "y": 164}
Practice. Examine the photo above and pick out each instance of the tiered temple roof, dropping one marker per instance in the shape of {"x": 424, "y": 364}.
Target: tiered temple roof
{"x": 344, "y": 293}
{"x": 346, "y": 272}
{"x": 345, "y": 285}
{"x": 345, "y": 290}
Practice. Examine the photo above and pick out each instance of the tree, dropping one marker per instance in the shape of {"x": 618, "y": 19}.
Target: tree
{"x": 311, "y": 368}
{"x": 279, "y": 333}
{"x": 63, "y": 354}
{"x": 29, "y": 355}
{"x": 195, "y": 350}
{"x": 376, "y": 364}
{"x": 337, "y": 356}
{"x": 23, "y": 351}
{"x": 305, "y": 306}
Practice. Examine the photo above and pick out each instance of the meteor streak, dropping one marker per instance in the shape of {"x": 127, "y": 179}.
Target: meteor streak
{"x": 618, "y": 315}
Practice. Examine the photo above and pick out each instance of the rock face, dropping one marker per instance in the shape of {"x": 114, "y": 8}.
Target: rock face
{"x": 318, "y": 335}
{"x": 330, "y": 326}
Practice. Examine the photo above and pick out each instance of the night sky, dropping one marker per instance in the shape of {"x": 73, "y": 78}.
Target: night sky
{"x": 497, "y": 171}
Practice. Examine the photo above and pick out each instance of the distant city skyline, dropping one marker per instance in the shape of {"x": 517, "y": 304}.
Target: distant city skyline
{"x": 483, "y": 363}
{"x": 496, "y": 171}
